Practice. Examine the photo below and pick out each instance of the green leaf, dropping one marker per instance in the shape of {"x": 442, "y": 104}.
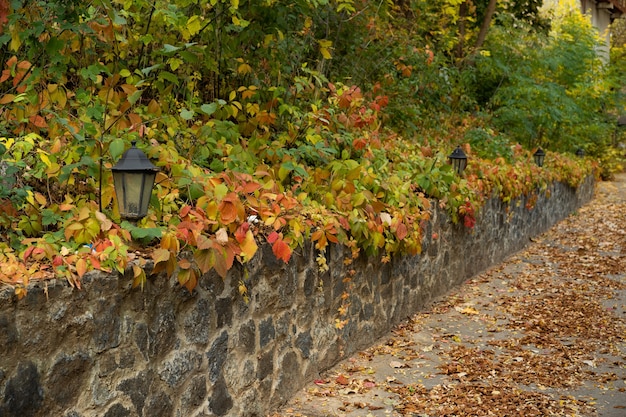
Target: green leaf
{"x": 116, "y": 148}
{"x": 168, "y": 76}
{"x": 54, "y": 45}
{"x": 209, "y": 109}
{"x": 144, "y": 234}
{"x": 167, "y": 48}
{"x": 134, "y": 97}
{"x": 187, "y": 114}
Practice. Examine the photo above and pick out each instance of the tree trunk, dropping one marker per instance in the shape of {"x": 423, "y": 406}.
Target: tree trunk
{"x": 491, "y": 9}
{"x": 463, "y": 7}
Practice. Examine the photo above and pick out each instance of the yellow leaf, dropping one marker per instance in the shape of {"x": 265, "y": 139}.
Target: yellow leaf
{"x": 467, "y": 310}
{"x": 249, "y": 246}
{"x": 244, "y": 69}
{"x": 194, "y": 24}
{"x": 139, "y": 277}
{"x": 7, "y": 98}
{"x": 41, "y": 199}
{"x": 16, "y": 42}
{"x": 325, "y": 47}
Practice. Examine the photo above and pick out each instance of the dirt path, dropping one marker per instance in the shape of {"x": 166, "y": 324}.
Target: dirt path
{"x": 542, "y": 334}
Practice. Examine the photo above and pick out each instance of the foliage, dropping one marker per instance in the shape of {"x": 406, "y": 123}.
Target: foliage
{"x": 546, "y": 91}
{"x": 272, "y": 123}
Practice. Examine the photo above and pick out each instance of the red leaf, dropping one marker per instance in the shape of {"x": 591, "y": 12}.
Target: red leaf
{"x": 241, "y": 232}
{"x": 273, "y": 237}
{"x": 28, "y": 252}
{"x": 401, "y": 231}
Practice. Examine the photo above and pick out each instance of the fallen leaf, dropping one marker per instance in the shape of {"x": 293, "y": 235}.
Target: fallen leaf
{"x": 398, "y": 364}
{"x": 342, "y": 380}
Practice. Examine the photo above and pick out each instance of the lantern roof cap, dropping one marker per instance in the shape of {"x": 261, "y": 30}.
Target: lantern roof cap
{"x": 134, "y": 160}
{"x": 458, "y": 153}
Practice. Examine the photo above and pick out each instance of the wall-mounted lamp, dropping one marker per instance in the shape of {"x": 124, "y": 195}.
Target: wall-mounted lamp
{"x": 539, "y": 156}
{"x": 458, "y": 160}
{"x": 133, "y": 178}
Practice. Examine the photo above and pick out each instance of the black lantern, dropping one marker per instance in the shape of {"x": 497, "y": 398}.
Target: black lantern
{"x": 133, "y": 177}
{"x": 539, "y": 156}
{"x": 458, "y": 160}
{"x": 580, "y": 152}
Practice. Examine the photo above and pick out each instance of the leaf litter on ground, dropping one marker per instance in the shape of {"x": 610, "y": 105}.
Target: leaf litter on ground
{"x": 525, "y": 338}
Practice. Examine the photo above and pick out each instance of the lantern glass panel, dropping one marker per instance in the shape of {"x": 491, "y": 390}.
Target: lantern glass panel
{"x": 133, "y": 190}
{"x": 539, "y": 157}
{"x": 459, "y": 165}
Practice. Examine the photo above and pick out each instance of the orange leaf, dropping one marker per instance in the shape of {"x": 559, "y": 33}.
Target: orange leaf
{"x": 221, "y": 263}
{"x": 228, "y": 212}
{"x": 342, "y": 380}
{"x": 38, "y": 121}
{"x": 192, "y": 281}
{"x": 281, "y": 250}
{"x": 184, "y": 211}
{"x": 160, "y": 255}
{"x": 184, "y": 264}
{"x": 81, "y": 267}
{"x": 251, "y": 187}
{"x": 205, "y": 259}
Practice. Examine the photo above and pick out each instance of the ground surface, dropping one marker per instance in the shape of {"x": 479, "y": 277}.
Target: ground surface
{"x": 542, "y": 334}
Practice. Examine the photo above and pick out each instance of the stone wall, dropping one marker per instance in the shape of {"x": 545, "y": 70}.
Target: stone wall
{"x": 111, "y": 351}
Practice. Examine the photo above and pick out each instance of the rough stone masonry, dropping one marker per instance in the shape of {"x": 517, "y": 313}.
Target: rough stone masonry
{"x": 112, "y": 351}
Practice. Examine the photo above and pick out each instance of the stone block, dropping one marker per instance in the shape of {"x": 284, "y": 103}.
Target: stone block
{"x": 68, "y": 377}
{"x": 266, "y": 365}
{"x": 162, "y": 337}
{"x": 220, "y": 401}
{"x": 195, "y": 394}
{"x": 198, "y": 324}
{"x": 224, "y": 311}
{"x": 304, "y": 343}
{"x": 159, "y": 405}
{"x": 247, "y": 337}
{"x": 175, "y": 370}
{"x": 117, "y": 410}
{"x": 137, "y": 389}
{"x": 216, "y": 356}
{"x": 23, "y": 394}
{"x": 107, "y": 324}
{"x": 267, "y": 332}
